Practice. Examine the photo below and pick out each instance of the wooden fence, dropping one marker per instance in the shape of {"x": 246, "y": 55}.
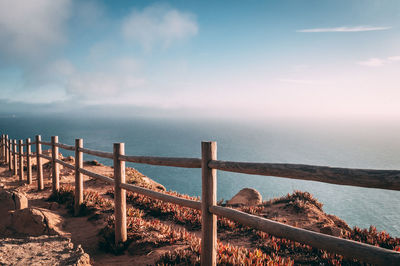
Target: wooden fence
{"x": 384, "y": 179}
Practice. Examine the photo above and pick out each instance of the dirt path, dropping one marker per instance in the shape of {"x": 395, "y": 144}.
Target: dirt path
{"x": 80, "y": 230}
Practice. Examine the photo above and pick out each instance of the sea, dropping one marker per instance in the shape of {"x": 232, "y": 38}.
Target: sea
{"x": 352, "y": 144}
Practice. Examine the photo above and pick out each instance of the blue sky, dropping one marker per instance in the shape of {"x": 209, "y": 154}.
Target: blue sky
{"x": 214, "y": 58}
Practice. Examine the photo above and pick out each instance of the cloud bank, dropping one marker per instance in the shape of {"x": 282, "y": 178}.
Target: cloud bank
{"x": 29, "y": 29}
{"x": 158, "y": 24}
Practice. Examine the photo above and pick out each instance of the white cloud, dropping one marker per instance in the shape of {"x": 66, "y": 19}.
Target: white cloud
{"x": 28, "y": 29}
{"x": 394, "y": 58}
{"x": 373, "y": 62}
{"x": 378, "y": 62}
{"x": 158, "y": 24}
{"x": 345, "y": 29}
{"x": 115, "y": 80}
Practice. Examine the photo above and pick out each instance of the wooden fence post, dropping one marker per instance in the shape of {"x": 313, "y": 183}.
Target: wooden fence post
{"x": 10, "y": 148}
{"x": 119, "y": 194}
{"x": 54, "y": 156}
{"x": 78, "y": 176}
{"x": 39, "y": 165}
{"x": 28, "y": 161}
{"x": 15, "y": 165}
{"x": 208, "y": 198}
{"x": 2, "y": 146}
{"x": 21, "y": 160}
{"x": 6, "y": 149}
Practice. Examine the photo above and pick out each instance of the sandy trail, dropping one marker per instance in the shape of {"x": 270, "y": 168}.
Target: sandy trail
{"x": 80, "y": 230}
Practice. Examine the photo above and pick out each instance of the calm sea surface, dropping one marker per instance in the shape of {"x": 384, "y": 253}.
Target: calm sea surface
{"x": 354, "y": 145}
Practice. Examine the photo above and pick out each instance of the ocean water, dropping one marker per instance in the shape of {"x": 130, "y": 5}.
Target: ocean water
{"x": 342, "y": 144}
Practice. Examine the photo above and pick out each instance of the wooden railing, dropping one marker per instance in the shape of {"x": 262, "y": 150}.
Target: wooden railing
{"x": 384, "y": 179}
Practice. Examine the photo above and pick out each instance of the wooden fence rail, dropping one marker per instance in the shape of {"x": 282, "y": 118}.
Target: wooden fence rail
{"x": 384, "y": 179}
{"x": 164, "y": 161}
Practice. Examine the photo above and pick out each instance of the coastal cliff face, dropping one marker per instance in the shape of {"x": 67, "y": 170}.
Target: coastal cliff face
{"x": 168, "y": 232}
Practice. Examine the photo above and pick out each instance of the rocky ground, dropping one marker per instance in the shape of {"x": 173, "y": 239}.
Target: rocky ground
{"x": 47, "y": 233}
{"x": 41, "y": 250}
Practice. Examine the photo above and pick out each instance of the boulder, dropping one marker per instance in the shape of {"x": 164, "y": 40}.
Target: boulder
{"x": 246, "y": 196}
{"x": 29, "y": 222}
{"x": 21, "y": 201}
{"x": 12, "y": 200}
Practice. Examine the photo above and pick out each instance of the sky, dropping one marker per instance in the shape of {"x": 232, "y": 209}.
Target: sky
{"x": 248, "y": 59}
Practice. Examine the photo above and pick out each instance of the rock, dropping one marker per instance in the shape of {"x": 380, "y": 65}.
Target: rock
{"x": 246, "y": 196}
{"x": 153, "y": 184}
{"x": 7, "y": 202}
{"x": 30, "y": 222}
{"x": 94, "y": 162}
{"x": 70, "y": 159}
{"x": 12, "y": 200}
{"x": 331, "y": 230}
{"x": 48, "y": 153}
{"x": 21, "y": 201}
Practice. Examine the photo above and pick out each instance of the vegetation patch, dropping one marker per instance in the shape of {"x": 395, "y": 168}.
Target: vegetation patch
{"x": 298, "y": 200}
{"x": 92, "y": 200}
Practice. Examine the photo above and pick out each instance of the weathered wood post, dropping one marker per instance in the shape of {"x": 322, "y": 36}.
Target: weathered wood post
{"x": 6, "y": 149}
{"x": 21, "y": 160}
{"x": 54, "y": 156}
{"x": 208, "y": 198}
{"x": 39, "y": 165}
{"x": 2, "y": 146}
{"x": 3, "y": 150}
{"x": 78, "y": 176}
{"x": 119, "y": 194}
{"x": 28, "y": 161}
{"x": 15, "y": 162}
{"x": 10, "y": 147}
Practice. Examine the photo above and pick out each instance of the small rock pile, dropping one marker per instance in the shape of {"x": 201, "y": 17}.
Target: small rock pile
{"x": 31, "y": 236}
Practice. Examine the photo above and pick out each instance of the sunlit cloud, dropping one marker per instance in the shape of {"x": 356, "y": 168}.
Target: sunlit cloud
{"x": 345, "y": 29}
{"x": 159, "y": 25}
{"x": 378, "y": 62}
{"x": 373, "y": 62}
{"x": 394, "y": 58}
